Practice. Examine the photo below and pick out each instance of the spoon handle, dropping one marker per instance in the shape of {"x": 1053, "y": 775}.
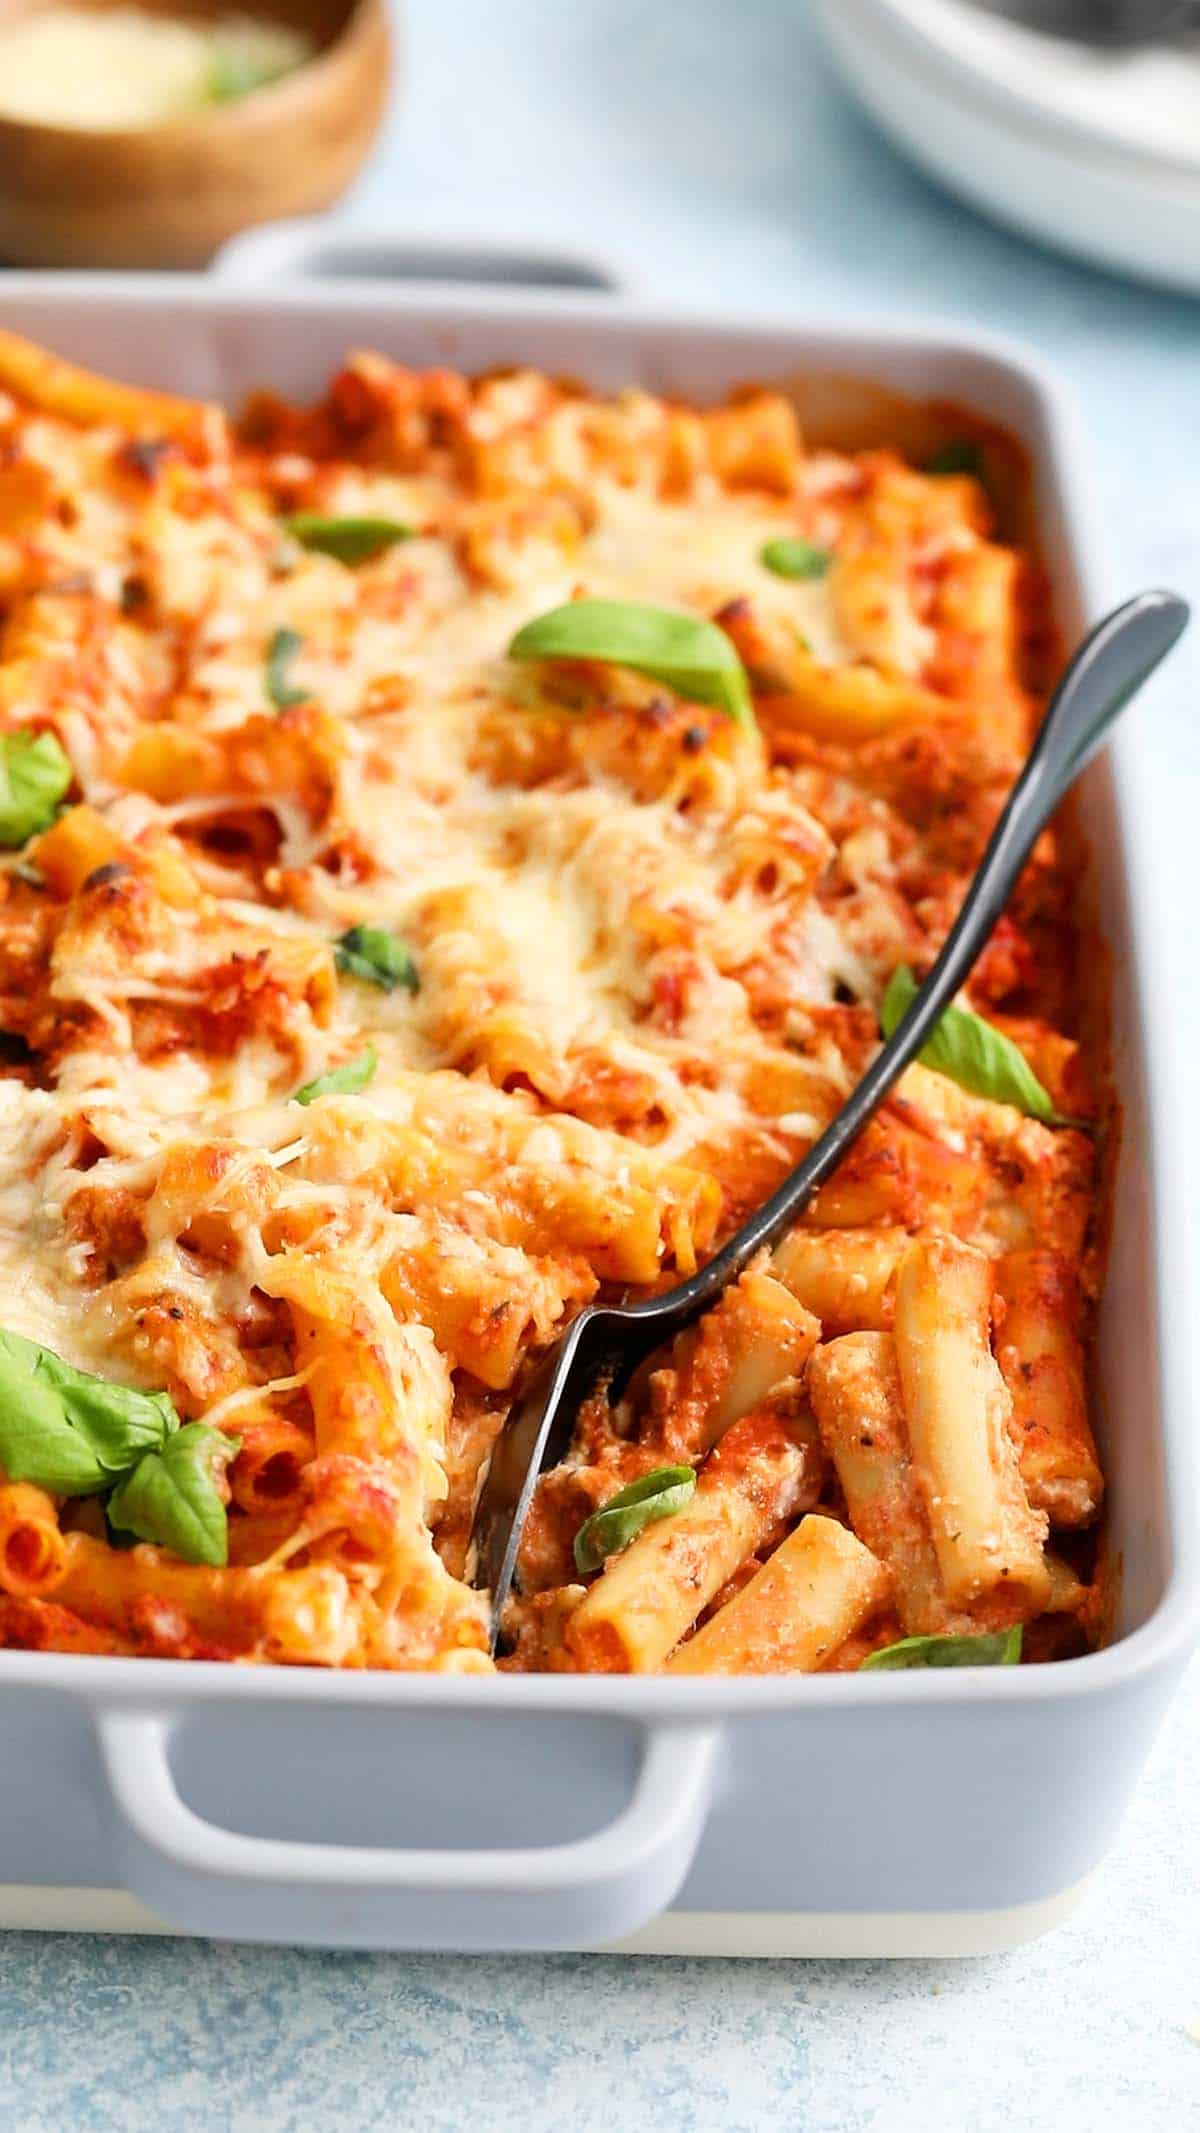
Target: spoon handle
{"x": 607, "y": 1342}
{"x": 1110, "y": 665}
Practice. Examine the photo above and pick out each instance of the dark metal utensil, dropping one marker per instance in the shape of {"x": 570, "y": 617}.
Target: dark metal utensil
{"x": 1102, "y": 22}
{"x": 608, "y": 1341}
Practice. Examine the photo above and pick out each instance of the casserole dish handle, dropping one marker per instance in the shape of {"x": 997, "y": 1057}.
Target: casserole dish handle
{"x": 315, "y": 248}
{"x": 598, "y": 1888}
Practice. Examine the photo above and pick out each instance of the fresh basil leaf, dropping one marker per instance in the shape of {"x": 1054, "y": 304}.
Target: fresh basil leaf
{"x": 35, "y": 772}
{"x": 343, "y": 1080}
{"x": 960, "y": 456}
{"x": 380, "y": 957}
{"x": 281, "y": 651}
{"x": 349, "y": 540}
{"x": 622, "y": 1518}
{"x": 690, "y": 655}
{"x": 37, "y": 1442}
{"x": 118, "y": 1422}
{"x": 173, "y": 1498}
{"x": 972, "y": 1053}
{"x": 1002, "y": 1649}
{"x": 66, "y": 1430}
{"x": 794, "y": 558}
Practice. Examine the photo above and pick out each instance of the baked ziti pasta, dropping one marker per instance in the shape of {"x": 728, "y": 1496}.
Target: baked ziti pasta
{"x": 460, "y": 844}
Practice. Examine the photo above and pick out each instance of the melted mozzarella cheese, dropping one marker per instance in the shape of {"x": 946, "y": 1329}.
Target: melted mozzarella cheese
{"x": 678, "y": 555}
{"x": 40, "y": 1271}
{"x": 618, "y": 927}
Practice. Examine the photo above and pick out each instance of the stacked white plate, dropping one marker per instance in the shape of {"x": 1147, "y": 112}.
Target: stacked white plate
{"x": 1095, "y": 151}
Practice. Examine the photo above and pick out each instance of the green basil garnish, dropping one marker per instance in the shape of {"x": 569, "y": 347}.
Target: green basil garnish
{"x": 622, "y": 1518}
{"x": 35, "y": 772}
{"x": 172, "y": 1497}
{"x": 961, "y": 456}
{"x": 794, "y": 558}
{"x": 349, "y": 540}
{"x": 690, "y": 655}
{"x": 67, "y": 1431}
{"x": 1002, "y": 1649}
{"x": 78, "y": 1435}
{"x": 968, "y": 1049}
{"x": 343, "y": 1080}
{"x": 380, "y": 957}
{"x": 281, "y": 651}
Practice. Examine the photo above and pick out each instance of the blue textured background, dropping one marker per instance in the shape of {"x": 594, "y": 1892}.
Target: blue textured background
{"x": 708, "y": 145}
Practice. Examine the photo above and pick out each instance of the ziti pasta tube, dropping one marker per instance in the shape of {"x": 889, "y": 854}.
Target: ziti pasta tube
{"x": 820, "y": 1585}
{"x": 986, "y": 1536}
{"x": 844, "y": 1277}
{"x": 854, "y": 1386}
{"x": 757, "y": 1335}
{"x": 33, "y": 1553}
{"x": 1039, "y": 1347}
{"x": 766, "y": 1467}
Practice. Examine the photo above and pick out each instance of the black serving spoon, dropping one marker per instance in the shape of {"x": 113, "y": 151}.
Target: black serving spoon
{"x": 606, "y": 1342}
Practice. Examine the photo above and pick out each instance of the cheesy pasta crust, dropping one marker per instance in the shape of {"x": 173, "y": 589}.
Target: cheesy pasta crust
{"x": 648, "y": 948}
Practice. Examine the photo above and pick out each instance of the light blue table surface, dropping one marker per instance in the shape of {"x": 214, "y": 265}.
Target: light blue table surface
{"x": 705, "y": 142}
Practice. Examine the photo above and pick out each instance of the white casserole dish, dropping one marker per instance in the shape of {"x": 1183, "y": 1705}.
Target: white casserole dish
{"x": 872, "y": 1814}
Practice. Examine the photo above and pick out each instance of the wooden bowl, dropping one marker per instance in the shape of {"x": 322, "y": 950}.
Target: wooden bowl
{"x": 169, "y": 196}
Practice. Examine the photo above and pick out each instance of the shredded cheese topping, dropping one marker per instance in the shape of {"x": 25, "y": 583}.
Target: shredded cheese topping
{"x": 649, "y": 944}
